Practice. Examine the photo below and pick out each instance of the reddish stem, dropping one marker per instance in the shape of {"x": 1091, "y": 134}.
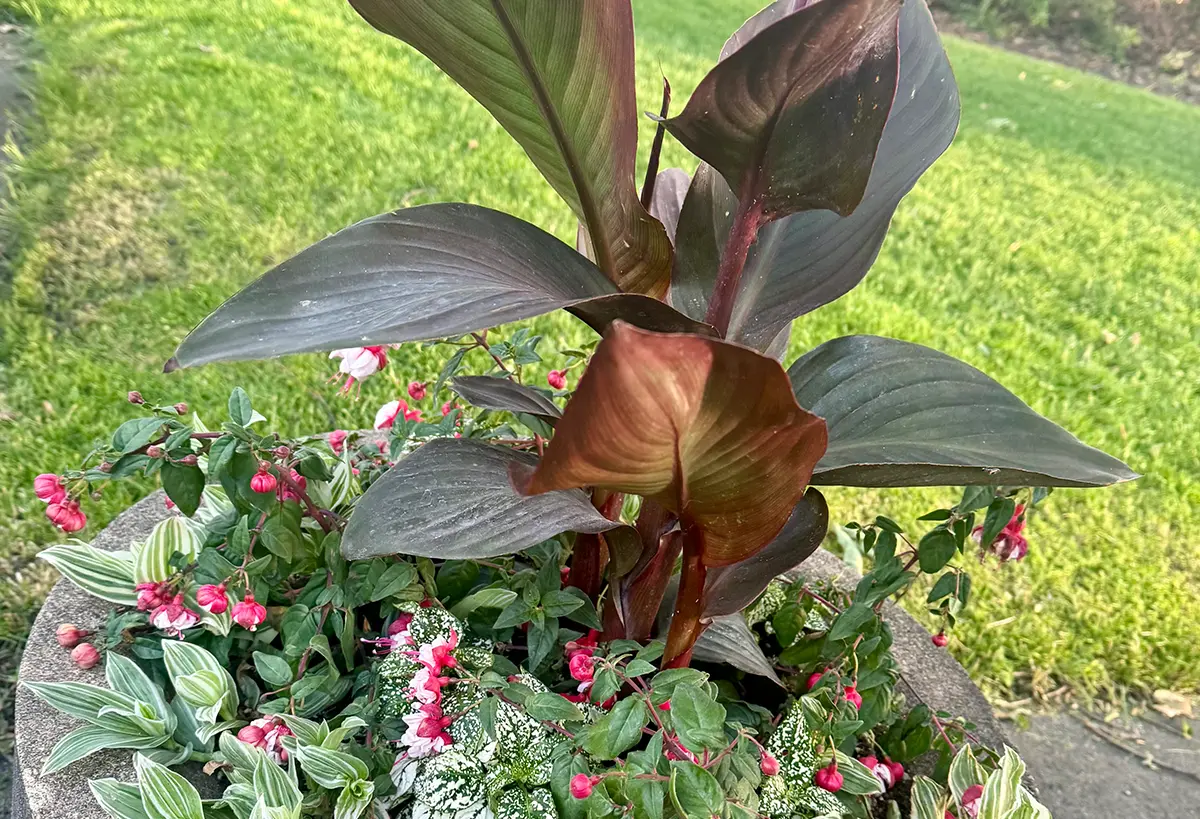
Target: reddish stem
{"x": 689, "y": 605}
{"x": 733, "y": 260}
{"x": 586, "y": 564}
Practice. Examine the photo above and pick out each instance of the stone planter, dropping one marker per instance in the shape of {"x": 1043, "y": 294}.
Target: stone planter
{"x": 930, "y": 674}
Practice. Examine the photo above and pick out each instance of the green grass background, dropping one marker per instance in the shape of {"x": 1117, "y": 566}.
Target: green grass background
{"x": 176, "y": 150}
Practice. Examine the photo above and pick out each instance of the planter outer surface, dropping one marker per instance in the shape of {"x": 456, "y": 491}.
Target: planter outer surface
{"x": 930, "y": 674}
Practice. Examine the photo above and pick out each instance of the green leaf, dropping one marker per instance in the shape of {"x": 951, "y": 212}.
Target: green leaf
{"x": 965, "y": 772}
{"x": 169, "y": 537}
{"x": 136, "y": 433}
{"x": 664, "y": 683}
{"x": 699, "y": 720}
{"x": 618, "y": 730}
{"x": 120, "y": 800}
{"x": 944, "y": 587}
{"x": 166, "y": 794}
{"x": 928, "y": 799}
{"x": 542, "y": 639}
{"x": 638, "y": 668}
{"x": 81, "y": 700}
{"x": 354, "y": 800}
{"x": 485, "y": 599}
{"x": 559, "y": 78}
{"x": 857, "y": 779}
{"x": 240, "y": 411}
{"x": 1002, "y": 792}
{"x": 184, "y": 659}
{"x": 936, "y": 549}
{"x": 87, "y": 740}
{"x": 125, "y": 677}
{"x": 281, "y": 538}
{"x": 548, "y": 706}
{"x": 330, "y": 769}
{"x": 276, "y": 786}
{"x": 974, "y": 498}
{"x": 395, "y": 578}
{"x": 851, "y": 621}
{"x": 183, "y": 485}
{"x": 888, "y": 405}
{"x": 999, "y": 513}
{"x": 695, "y": 792}
{"x": 274, "y": 671}
{"x": 560, "y": 603}
{"x": 478, "y": 513}
{"x": 106, "y": 575}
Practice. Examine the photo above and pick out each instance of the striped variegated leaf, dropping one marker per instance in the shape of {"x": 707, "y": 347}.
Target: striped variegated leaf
{"x": 338, "y": 735}
{"x": 276, "y": 785}
{"x": 107, "y": 575}
{"x": 216, "y": 512}
{"x": 125, "y": 677}
{"x": 183, "y": 659}
{"x": 81, "y": 700}
{"x": 330, "y": 769}
{"x": 141, "y": 719}
{"x": 928, "y": 799}
{"x": 208, "y": 732}
{"x": 244, "y": 758}
{"x": 306, "y": 730}
{"x": 857, "y": 778}
{"x": 166, "y": 794}
{"x": 87, "y": 740}
{"x": 170, "y": 756}
{"x": 239, "y": 798}
{"x": 1001, "y": 794}
{"x": 965, "y": 771}
{"x": 153, "y": 561}
{"x": 354, "y": 799}
{"x": 1036, "y": 809}
{"x": 187, "y": 726}
{"x": 264, "y": 811}
{"x": 120, "y": 800}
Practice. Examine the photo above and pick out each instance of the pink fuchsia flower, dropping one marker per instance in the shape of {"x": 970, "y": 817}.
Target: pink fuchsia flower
{"x": 267, "y": 734}
{"x": 769, "y": 764}
{"x": 1010, "y": 544}
{"x": 212, "y": 598}
{"x": 174, "y": 618}
{"x": 897, "y": 771}
{"x": 389, "y": 412}
{"x": 398, "y": 630}
{"x": 439, "y": 654}
{"x": 263, "y": 481}
{"x": 447, "y": 408}
{"x": 940, "y": 639}
{"x": 66, "y": 515}
{"x": 582, "y": 784}
{"x": 286, "y": 492}
{"x": 814, "y": 679}
{"x": 853, "y": 697}
{"x": 666, "y": 706}
{"x": 576, "y": 698}
{"x": 416, "y": 390}
{"x": 50, "y": 488}
{"x": 249, "y": 613}
{"x": 85, "y": 655}
{"x": 582, "y": 666}
{"x": 829, "y": 779}
{"x": 152, "y": 595}
{"x": 427, "y": 687}
{"x": 69, "y": 635}
{"x": 972, "y": 800}
{"x": 337, "y": 441}
{"x": 358, "y": 363}
{"x": 557, "y": 379}
{"x": 881, "y": 770}
{"x": 426, "y": 734}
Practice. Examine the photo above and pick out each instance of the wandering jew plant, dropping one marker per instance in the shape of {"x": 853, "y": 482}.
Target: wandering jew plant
{"x": 815, "y": 122}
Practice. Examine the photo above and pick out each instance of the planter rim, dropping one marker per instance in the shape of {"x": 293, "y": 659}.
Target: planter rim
{"x": 929, "y": 675}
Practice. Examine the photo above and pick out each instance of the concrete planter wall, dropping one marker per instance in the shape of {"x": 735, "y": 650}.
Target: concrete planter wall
{"x": 930, "y": 674}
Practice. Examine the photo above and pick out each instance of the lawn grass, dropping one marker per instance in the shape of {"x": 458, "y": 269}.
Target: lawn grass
{"x": 177, "y": 150}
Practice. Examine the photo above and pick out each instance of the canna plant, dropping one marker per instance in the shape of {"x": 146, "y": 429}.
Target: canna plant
{"x": 686, "y": 442}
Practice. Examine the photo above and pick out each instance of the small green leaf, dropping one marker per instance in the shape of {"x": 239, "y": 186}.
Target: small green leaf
{"x": 618, "y": 730}
{"x": 699, "y": 719}
{"x": 548, "y": 706}
{"x": 664, "y": 683}
{"x": 166, "y": 794}
{"x": 240, "y": 411}
{"x": 354, "y": 800}
{"x": 273, "y": 670}
{"x": 483, "y": 599}
{"x": 936, "y": 549}
{"x": 639, "y": 668}
{"x": 136, "y": 433}
{"x": 850, "y": 621}
{"x": 395, "y": 578}
{"x": 999, "y": 513}
{"x": 184, "y": 485}
{"x": 330, "y": 769}
{"x": 975, "y": 497}
{"x": 516, "y": 613}
{"x": 560, "y": 603}
{"x": 695, "y": 792}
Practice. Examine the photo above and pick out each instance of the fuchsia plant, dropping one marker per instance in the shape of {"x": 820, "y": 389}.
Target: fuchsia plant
{"x": 817, "y": 120}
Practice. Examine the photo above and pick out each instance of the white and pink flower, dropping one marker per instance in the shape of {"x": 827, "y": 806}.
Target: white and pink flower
{"x": 249, "y": 613}
{"x": 426, "y": 734}
{"x": 267, "y": 734}
{"x": 212, "y": 598}
{"x": 389, "y": 412}
{"x": 439, "y": 654}
{"x": 174, "y": 618}
{"x": 359, "y": 363}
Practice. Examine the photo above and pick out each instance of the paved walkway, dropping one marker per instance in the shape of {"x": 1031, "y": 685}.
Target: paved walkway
{"x": 1083, "y": 775}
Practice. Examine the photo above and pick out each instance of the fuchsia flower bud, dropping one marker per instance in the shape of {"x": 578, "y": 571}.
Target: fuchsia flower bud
{"x": 189, "y": 460}
{"x": 416, "y": 390}
{"x": 70, "y": 635}
{"x": 853, "y": 697}
{"x": 66, "y": 515}
{"x": 251, "y": 735}
{"x": 181, "y": 408}
{"x": 85, "y": 655}
{"x": 263, "y": 481}
{"x": 769, "y": 764}
{"x": 282, "y": 452}
{"x": 249, "y": 613}
{"x": 666, "y": 706}
{"x": 557, "y": 379}
{"x": 212, "y": 598}
{"x": 582, "y": 784}
{"x": 940, "y": 639}
{"x": 814, "y": 679}
{"x": 151, "y": 595}
{"x": 447, "y": 408}
{"x": 135, "y": 397}
{"x": 155, "y": 451}
{"x": 896, "y": 770}
{"x": 337, "y": 441}
{"x": 49, "y": 488}
{"x": 829, "y": 779}
{"x": 582, "y": 666}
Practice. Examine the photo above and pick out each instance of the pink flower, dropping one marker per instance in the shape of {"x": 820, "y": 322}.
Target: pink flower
{"x": 285, "y": 492}
{"x": 389, "y": 412}
{"x": 66, "y": 515}
{"x": 266, "y": 734}
{"x": 85, "y": 655}
{"x": 248, "y": 613}
{"x": 358, "y": 363}
{"x": 1010, "y": 544}
{"x": 557, "y": 379}
{"x": 447, "y": 408}
{"x": 439, "y": 654}
{"x": 416, "y": 390}
{"x": 427, "y": 686}
{"x": 337, "y": 441}
{"x": 666, "y": 706}
{"x": 49, "y": 488}
{"x": 829, "y": 779}
{"x": 882, "y": 772}
{"x": 582, "y": 666}
{"x": 972, "y": 800}
{"x": 251, "y": 735}
{"x": 398, "y": 630}
{"x": 853, "y": 697}
{"x": 151, "y": 595}
{"x": 426, "y": 732}
{"x": 69, "y": 635}
{"x": 814, "y": 679}
{"x": 212, "y": 598}
{"x": 575, "y": 698}
{"x": 263, "y": 481}
{"x": 582, "y": 784}
{"x": 896, "y": 770}
{"x": 769, "y": 764}
{"x": 174, "y": 618}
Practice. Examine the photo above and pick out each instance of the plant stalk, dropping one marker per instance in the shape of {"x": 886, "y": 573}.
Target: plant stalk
{"x": 689, "y": 605}
{"x": 746, "y": 222}
{"x": 656, "y": 148}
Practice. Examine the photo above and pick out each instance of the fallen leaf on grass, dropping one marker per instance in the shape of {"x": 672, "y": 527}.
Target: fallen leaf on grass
{"x": 1172, "y": 705}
